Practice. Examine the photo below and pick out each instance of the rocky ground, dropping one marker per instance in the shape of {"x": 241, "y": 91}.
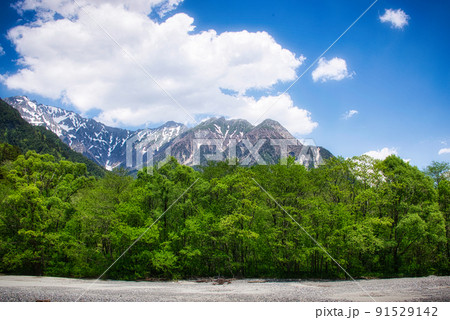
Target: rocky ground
{"x": 28, "y": 288}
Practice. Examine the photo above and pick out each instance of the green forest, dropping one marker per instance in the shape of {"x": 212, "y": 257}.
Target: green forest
{"x": 375, "y": 218}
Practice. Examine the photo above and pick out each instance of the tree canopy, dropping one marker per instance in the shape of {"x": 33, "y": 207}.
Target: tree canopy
{"x": 375, "y": 218}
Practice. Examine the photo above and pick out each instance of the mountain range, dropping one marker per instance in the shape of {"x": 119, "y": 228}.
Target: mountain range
{"x": 213, "y": 139}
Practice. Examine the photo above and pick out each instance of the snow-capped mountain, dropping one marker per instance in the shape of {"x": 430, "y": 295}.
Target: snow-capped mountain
{"x": 238, "y": 140}
{"x": 103, "y": 144}
{"x": 214, "y": 139}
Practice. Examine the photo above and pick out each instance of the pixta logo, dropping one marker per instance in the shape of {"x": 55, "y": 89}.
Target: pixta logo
{"x": 140, "y": 151}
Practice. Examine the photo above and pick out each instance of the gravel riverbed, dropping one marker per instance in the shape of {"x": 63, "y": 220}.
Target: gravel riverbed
{"x": 29, "y": 288}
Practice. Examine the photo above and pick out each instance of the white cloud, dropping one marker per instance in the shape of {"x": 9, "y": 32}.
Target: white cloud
{"x": 397, "y": 18}
{"x": 382, "y": 154}
{"x": 2, "y": 52}
{"x": 334, "y": 69}
{"x": 350, "y": 113}
{"x": 70, "y": 8}
{"x": 281, "y": 108}
{"x": 167, "y": 6}
{"x": 444, "y": 151}
{"x": 72, "y": 59}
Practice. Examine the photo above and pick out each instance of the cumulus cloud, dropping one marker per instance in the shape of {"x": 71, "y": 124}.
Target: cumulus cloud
{"x": 444, "y": 151}
{"x": 334, "y": 69}
{"x": 397, "y": 18}
{"x": 349, "y": 114}
{"x": 381, "y": 154}
{"x": 281, "y": 108}
{"x": 2, "y": 52}
{"x": 74, "y": 60}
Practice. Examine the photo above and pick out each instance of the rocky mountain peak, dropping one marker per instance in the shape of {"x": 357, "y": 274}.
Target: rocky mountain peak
{"x": 170, "y": 124}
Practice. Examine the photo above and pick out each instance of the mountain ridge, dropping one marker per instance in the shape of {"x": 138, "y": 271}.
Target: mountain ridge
{"x": 104, "y": 144}
{"x": 15, "y": 131}
{"x": 215, "y": 138}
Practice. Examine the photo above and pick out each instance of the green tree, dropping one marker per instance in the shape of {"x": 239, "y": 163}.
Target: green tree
{"x": 438, "y": 171}
{"x": 35, "y": 211}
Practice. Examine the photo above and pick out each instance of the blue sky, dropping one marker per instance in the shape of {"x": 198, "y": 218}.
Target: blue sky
{"x": 396, "y": 79}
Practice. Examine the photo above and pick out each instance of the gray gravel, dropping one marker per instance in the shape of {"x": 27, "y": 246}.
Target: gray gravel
{"x": 28, "y": 288}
